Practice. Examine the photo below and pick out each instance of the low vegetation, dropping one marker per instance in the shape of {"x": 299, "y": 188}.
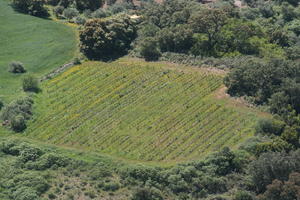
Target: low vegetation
{"x": 39, "y": 44}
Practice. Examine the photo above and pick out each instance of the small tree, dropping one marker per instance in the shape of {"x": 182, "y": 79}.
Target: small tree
{"x": 149, "y": 50}
{"x": 30, "y": 84}
{"x": 16, "y": 67}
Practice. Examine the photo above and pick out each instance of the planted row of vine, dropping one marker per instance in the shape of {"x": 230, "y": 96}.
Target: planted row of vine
{"x": 138, "y": 111}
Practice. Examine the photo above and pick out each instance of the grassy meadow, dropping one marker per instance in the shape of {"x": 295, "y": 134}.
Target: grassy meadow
{"x": 41, "y": 44}
{"x": 139, "y": 111}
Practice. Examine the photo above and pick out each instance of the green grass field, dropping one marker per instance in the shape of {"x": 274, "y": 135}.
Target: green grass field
{"x": 41, "y": 44}
{"x": 139, "y": 111}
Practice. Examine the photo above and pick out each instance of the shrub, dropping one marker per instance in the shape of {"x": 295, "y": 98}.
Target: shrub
{"x": 58, "y": 10}
{"x": 1, "y": 104}
{"x": 100, "y": 13}
{"x": 243, "y": 195}
{"x": 49, "y": 160}
{"x": 16, "y": 67}
{"x": 21, "y": 106}
{"x": 79, "y": 20}
{"x": 32, "y": 7}
{"x": 25, "y": 193}
{"x": 52, "y": 2}
{"x": 146, "y": 194}
{"x": 30, "y": 84}
{"x": 70, "y": 13}
{"x": 18, "y": 123}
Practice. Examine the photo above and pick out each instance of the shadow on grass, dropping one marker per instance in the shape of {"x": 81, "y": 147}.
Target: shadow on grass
{"x": 43, "y": 13}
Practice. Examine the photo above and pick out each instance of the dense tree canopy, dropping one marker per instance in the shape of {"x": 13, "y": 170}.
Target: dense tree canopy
{"x": 101, "y": 39}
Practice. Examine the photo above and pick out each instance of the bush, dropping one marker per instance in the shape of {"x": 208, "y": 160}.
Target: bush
{"x": 16, "y": 67}
{"x": 18, "y": 123}
{"x": 1, "y": 104}
{"x": 243, "y": 195}
{"x": 79, "y": 20}
{"x": 32, "y": 7}
{"x": 146, "y": 194}
{"x": 100, "y": 13}
{"x": 70, "y": 13}
{"x": 58, "y": 10}
{"x": 269, "y": 126}
{"x": 30, "y": 84}
{"x": 25, "y": 193}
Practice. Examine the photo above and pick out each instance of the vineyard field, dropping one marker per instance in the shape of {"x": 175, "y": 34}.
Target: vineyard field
{"x": 139, "y": 111}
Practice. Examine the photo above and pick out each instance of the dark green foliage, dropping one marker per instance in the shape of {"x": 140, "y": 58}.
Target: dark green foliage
{"x": 32, "y": 7}
{"x": 79, "y": 20}
{"x": 20, "y": 106}
{"x": 270, "y": 126}
{"x": 58, "y": 10}
{"x": 1, "y": 104}
{"x": 276, "y": 144}
{"x": 18, "y": 123}
{"x": 100, "y": 13}
{"x": 103, "y": 39}
{"x": 149, "y": 49}
{"x": 16, "y": 67}
{"x": 176, "y": 39}
{"x": 270, "y": 166}
{"x": 52, "y": 2}
{"x": 25, "y": 193}
{"x": 70, "y": 13}
{"x": 30, "y": 84}
{"x": 17, "y": 112}
{"x": 243, "y": 195}
{"x": 82, "y": 5}
{"x": 283, "y": 190}
{"x": 209, "y": 22}
{"x": 260, "y": 79}
{"x": 146, "y": 194}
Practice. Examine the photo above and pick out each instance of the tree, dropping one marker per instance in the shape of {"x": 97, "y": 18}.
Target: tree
{"x": 107, "y": 38}
{"x": 32, "y": 7}
{"x": 30, "y": 84}
{"x": 209, "y": 22}
{"x": 283, "y": 190}
{"x": 16, "y": 67}
{"x": 271, "y": 166}
{"x": 176, "y": 39}
{"x": 149, "y": 49}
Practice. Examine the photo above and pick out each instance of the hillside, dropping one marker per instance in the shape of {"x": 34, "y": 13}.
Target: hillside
{"x": 40, "y": 44}
{"x": 139, "y": 110}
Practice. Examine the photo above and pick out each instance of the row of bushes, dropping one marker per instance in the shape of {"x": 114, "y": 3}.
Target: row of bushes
{"x": 226, "y": 173}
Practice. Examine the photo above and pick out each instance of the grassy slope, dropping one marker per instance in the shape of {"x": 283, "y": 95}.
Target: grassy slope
{"x": 139, "y": 111}
{"x": 40, "y": 44}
